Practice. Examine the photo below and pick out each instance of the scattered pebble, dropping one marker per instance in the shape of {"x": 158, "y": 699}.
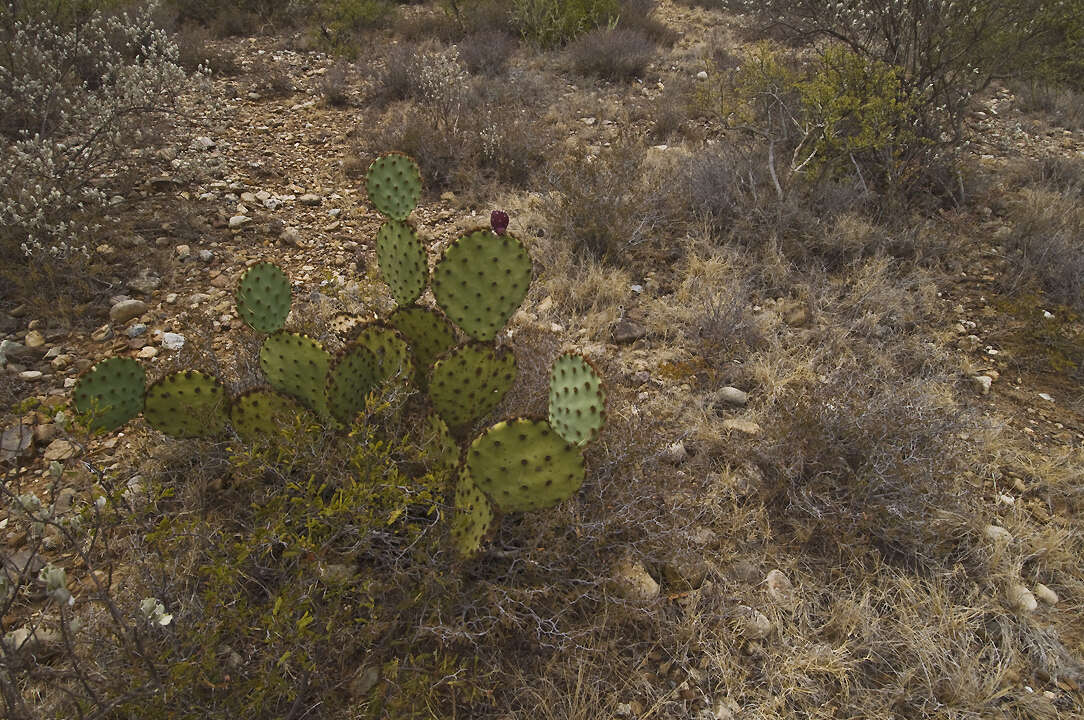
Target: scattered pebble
{"x": 1045, "y": 594}
{"x": 125, "y": 310}
{"x": 1021, "y": 598}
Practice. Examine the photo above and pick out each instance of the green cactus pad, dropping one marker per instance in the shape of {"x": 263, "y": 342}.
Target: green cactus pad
{"x": 402, "y": 260}
{"x": 473, "y": 516}
{"x": 470, "y": 380}
{"x": 345, "y": 325}
{"x": 377, "y": 354}
{"x": 297, "y": 365}
{"x": 187, "y": 404}
{"x": 263, "y": 297}
{"x": 262, "y": 413}
{"x": 577, "y": 400}
{"x": 480, "y": 281}
{"x": 111, "y": 394}
{"x": 438, "y": 444}
{"x": 394, "y": 184}
{"x": 524, "y": 465}
{"x": 429, "y": 334}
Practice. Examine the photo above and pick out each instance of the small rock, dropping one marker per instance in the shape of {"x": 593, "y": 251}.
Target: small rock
{"x": 184, "y": 252}
{"x": 796, "y": 315}
{"x": 162, "y": 183}
{"x": 64, "y": 500}
{"x": 137, "y": 330}
{"x": 702, "y": 75}
{"x": 172, "y": 341}
{"x": 626, "y": 331}
{"x": 34, "y": 339}
{"x": 748, "y": 427}
{"x": 239, "y": 221}
{"x": 1046, "y": 396}
{"x": 105, "y": 332}
{"x": 1021, "y": 598}
{"x": 23, "y": 563}
{"x": 16, "y": 441}
{"x": 779, "y": 588}
{"x": 206, "y": 256}
{"x": 754, "y": 624}
{"x": 125, "y": 310}
{"x": 290, "y": 236}
{"x": 310, "y": 199}
{"x": 145, "y": 283}
{"x": 676, "y": 453}
{"x": 971, "y": 343}
{"x": 11, "y": 351}
{"x": 733, "y": 396}
{"x": 60, "y": 450}
{"x": 44, "y": 434}
{"x": 364, "y": 681}
{"x": 147, "y": 352}
{"x": 30, "y": 375}
{"x": 997, "y": 534}
{"x": 634, "y": 583}
{"x": 1045, "y": 594}
{"x": 685, "y": 571}
{"x": 202, "y": 144}
{"x": 38, "y": 642}
{"x": 982, "y": 383}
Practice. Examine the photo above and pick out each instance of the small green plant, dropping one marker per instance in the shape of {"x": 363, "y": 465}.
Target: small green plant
{"x": 479, "y": 282}
{"x": 550, "y": 23}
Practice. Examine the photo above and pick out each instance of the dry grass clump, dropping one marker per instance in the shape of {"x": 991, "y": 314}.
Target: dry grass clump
{"x": 336, "y": 86}
{"x": 487, "y": 52}
{"x": 618, "y": 54}
{"x": 1048, "y": 239}
{"x": 1059, "y": 105}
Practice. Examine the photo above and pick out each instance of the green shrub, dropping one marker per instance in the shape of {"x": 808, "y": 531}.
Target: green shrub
{"x": 614, "y": 54}
{"x": 550, "y": 23}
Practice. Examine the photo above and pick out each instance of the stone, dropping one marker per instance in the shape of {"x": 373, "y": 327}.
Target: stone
{"x": 733, "y": 396}
{"x": 754, "y": 624}
{"x": 37, "y": 642}
{"x": 702, "y": 75}
{"x": 310, "y": 199}
{"x": 145, "y": 283}
{"x": 633, "y": 582}
{"x": 34, "y": 339}
{"x": 105, "y": 332}
{"x": 1045, "y": 594}
{"x": 1020, "y": 598}
{"x": 137, "y": 330}
{"x": 239, "y": 221}
{"x": 627, "y": 331}
{"x": 147, "y": 352}
{"x": 747, "y": 427}
{"x": 172, "y": 341}
{"x": 23, "y": 563}
{"x": 982, "y": 383}
{"x": 125, "y": 310}
{"x": 675, "y": 454}
{"x": 290, "y": 236}
{"x": 202, "y": 144}
{"x": 206, "y": 256}
{"x": 44, "y": 434}
{"x": 184, "y": 252}
{"x": 364, "y": 681}
{"x": 31, "y": 375}
{"x": 11, "y": 351}
{"x": 16, "y": 441}
{"x": 64, "y": 500}
{"x": 685, "y": 571}
{"x": 780, "y": 588}
{"x": 60, "y": 450}
{"x": 795, "y": 315}
{"x": 971, "y": 343}
{"x": 162, "y": 183}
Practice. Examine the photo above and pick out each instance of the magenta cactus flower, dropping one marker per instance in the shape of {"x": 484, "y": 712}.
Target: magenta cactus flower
{"x": 498, "y": 220}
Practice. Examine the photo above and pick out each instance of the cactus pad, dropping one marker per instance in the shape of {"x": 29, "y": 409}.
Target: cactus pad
{"x": 111, "y": 393}
{"x": 402, "y": 261}
{"x": 577, "y": 400}
{"x": 394, "y": 184}
{"x": 261, "y": 413}
{"x": 375, "y": 355}
{"x": 263, "y": 297}
{"x": 187, "y": 404}
{"x": 524, "y": 465}
{"x": 429, "y": 334}
{"x": 473, "y": 516}
{"x": 480, "y": 281}
{"x": 297, "y": 365}
{"x": 345, "y": 325}
{"x": 469, "y": 381}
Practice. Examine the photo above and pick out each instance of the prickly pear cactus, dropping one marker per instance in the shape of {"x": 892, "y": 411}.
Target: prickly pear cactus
{"x": 402, "y": 261}
{"x": 524, "y": 465}
{"x": 394, "y": 185}
{"x": 577, "y": 407}
{"x": 263, "y": 297}
{"x": 429, "y": 335}
{"x": 345, "y": 325}
{"x": 469, "y": 381}
{"x": 261, "y": 414}
{"x": 378, "y": 353}
{"x": 473, "y": 516}
{"x": 111, "y": 394}
{"x": 480, "y": 281}
{"x": 297, "y": 365}
{"x": 187, "y": 404}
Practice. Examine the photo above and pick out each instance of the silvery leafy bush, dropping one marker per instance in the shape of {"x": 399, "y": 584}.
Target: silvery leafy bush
{"x": 72, "y": 101}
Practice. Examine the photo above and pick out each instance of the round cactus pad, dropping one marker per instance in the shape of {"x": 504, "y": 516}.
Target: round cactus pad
{"x": 480, "y": 281}
{"x": 263, "y": 297}
{"x": 297, "y": 365}
{"x": 469, "y": 381}
{"x": 377, "y": 354}
{"x": 577, "y": 400}
{"x": 402, "y": 261}
{"x": 187, "y": 404}
{"x": 111, "y": 394}
{"x": 428, "y": 333}
{"x": 345, "y": 325}
{"x": 261, "y": 414}
{"x": 524, "y": 465}
{"x": 394, "y": 184}
{"x": 473, "y": 516}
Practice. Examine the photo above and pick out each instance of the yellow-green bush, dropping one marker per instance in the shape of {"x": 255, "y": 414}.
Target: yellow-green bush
{"x": 554, "y": 22}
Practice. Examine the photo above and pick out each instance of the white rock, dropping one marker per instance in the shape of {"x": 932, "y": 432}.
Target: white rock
{"x": 780, "y": 588}
{"x": 997, "y": 534}
{"x": 733, "y": 396}
{"x": 125, "y": 310}
{"x": 30, "y": 375}
{"x": 310, "y": 199}
{"x": 676, "y": 453}
{"x": 982, "y": 383}
{"x": 1046, "y": 397}
{"x": 1021, "y": 598}
{"x": 172, "y": 341}
{"x": 148, "y": 352}
{"x": 1045, "y": 594}
{"x": 238, "y": 221}
{"x": 747, "y": 427}
{"x": 202, "y": 144}
{"x": 702, "y": 75}
{"x": 754, "y": 624}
